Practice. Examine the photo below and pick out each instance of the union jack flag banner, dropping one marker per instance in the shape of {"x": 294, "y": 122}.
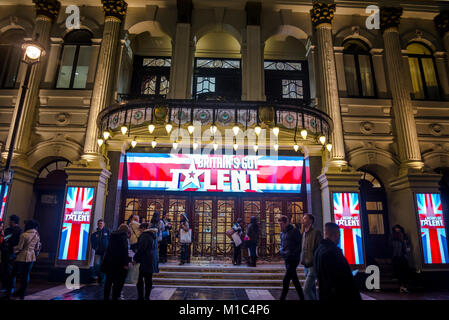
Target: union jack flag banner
{"x": 215, "y": 173}
{"x": 76, "y": 223}
{"x": 3, "y": 202}
{"x": 433, "y": 233}
{"x": 347, "y": 217}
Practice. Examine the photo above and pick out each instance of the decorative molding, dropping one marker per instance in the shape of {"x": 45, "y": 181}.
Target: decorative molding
{"x": 322, "y": 13}
{"x": 442, "y": 22}
{"x": 436, "y": 129}
{"x": 390, "y": 17}
{"x": 47, "y": 8}
{"x": 367, "y": 127}
{"x": 114, "y": 8}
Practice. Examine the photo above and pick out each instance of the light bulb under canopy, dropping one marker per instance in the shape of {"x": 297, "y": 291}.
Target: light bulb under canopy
{"x": 191, "y": 129}
{"x": 215, "y": 146}
{"x": 195, "y": 145}
{"x": 296, "y": 147}
{"x": 236, "y": 146}
{"x": 106, "y": 134}
{"x": 256, "y": 147}
{"x": 235, "y": 129}
{"x": 322, "y": 139}
{"x": 276, "y": 131}
{"x": 33, "y": 52}
{"x": 151, "y": 128}
{"x": 100, "y": 142}
{"x": 168, "y": 127}
{"x": 276, "y": 147}
{"x": 257, "y": 130}
{"x": 154, "y": 143}
{"x": 304, "y": 134}
{"x": 124, "y": 129}
{"x": 329, "y": 147}
{"x": 134, "y": 143}
{"x": 175, "y": 145}
{"x": 213, "y": 129}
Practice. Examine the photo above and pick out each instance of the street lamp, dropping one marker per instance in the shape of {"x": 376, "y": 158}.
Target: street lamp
{"x": 32, "y": 54}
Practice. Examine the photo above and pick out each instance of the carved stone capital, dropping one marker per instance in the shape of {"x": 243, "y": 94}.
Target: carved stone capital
{"x": 390, "y": 17}
{"x": 114, "y": 8}
{"x": 322, "y": 12}
{"x": 442, "y": 22}
{"x": 47, "y": 8}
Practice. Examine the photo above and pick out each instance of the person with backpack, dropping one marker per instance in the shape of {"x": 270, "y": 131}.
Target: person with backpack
{"x": 10, "y": 240}
{"x": 27, "y": 250}
{"x": 99, "y": 241}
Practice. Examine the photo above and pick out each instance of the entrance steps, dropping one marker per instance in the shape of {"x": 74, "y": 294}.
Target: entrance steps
{"x": 264, "y": 276}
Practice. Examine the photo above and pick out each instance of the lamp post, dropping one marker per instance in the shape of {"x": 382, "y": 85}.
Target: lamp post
{"x": 33, "y": 52}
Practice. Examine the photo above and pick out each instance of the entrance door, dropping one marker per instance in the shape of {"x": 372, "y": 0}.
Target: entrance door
{"x": 202, "y": 227}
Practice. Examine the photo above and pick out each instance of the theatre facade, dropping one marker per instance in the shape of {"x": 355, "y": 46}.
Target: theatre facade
{"x": 230, "y": 109}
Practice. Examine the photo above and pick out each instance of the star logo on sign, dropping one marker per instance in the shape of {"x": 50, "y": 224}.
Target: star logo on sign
{"x": 191, "y": 176}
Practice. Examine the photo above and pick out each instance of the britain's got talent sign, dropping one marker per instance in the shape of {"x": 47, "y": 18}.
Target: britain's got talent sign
{"x": 347, "y": 217}
{"x": 76, "y": 224}
{"x": 214, "y": 173}
{"x": 433, "y": 232}
{"x": 2, "y": 209}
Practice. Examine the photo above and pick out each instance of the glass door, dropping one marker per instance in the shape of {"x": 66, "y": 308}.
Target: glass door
{"x": 202, "y": 227}
{"x": 225, "y": 219}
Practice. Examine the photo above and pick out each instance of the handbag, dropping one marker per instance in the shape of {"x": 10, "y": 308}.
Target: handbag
{"x": 133, "y": 273}
{"x": 185, "y": 236}
{"x": 229, "y": 233}
{"x": 165, "y": 234}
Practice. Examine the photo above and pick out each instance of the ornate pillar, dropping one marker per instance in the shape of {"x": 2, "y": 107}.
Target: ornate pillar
{"x": 102, "y": 93}
{"x": 46, "y": 12}
{"x": 181, "y": 70}
{"x": 253, "y": 86}
{"x": 407, "y": 137}
{"x": 322, "y": 14}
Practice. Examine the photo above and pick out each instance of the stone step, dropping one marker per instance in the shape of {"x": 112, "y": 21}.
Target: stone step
{"x": 234, "y": 283}
{"x": 222, "y": 268}
{"x": 223, "y": 275}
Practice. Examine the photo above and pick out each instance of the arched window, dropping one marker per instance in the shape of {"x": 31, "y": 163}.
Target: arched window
{"x": 423, "y": 72}
{"x": 10, "y": 56}
{"x": 358, "y": 69}
{"x": 75, "y": 60}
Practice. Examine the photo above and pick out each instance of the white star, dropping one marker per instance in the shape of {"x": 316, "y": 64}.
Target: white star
{"x": 192, "y": 175}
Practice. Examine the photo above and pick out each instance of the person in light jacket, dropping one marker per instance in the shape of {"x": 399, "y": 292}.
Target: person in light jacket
{"x": 135, "y": 232}
{"x": 237, "y": 257}
{"x": 26, "y": 256}
{"x": 184, "y": 227}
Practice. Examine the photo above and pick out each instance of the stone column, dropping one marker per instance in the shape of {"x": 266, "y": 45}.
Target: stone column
{"x": 322, "y": 15}
{"x": 253, "y": 56}
{"x": 46, "y": 12}
{"x": 183, "y": 50}
{"x": 53, "y": 59}
{"x": 442, "y": 25}
{"x": 104, "y": 80}
{"x": 405, "y": 128}
{"x": 340, "y": 69}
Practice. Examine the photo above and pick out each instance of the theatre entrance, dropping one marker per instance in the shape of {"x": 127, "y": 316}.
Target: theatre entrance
{"x": 211, "y": 215}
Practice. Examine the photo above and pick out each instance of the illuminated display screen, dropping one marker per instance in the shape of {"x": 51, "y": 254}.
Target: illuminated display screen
{"x": 217, "y": 173}
{"x": 347, "y": 216}
{"x": 76, "y": 224}
{"x": 433, "y": 233}
{"x": 3, "y": 201}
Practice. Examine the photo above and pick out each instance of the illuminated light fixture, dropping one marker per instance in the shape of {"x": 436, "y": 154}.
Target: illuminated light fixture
{"x": 168, "y": 127}
{"x": 100, "y": 142}
{"x": 124, "y": 129}
{"x": 151, "y": 128}
{"x": 329, "y": 147}
{"x": 106, "y": 134}
{"x": 215, "y": 146}
{"x": 276, "y": 131}
{"x": 304, "y": 134}
{"x": 296, "y": 147}
{"x": 134, "y": 143}
{"x": 175, "y": 145}
{"x": 276, "y": 146}
{"x": 33, "y": 51}
{"x": 213, "y": 128}
{"x": 236, "y": 146}
{"x": 256, "y": 147}
{"x": 322, "y": 139}
{"x": 154, "y": 143}
{"x": 257, "y": 130}
{"x": 191, "y": 128}
{"x": 236, "y": 129}
{"x": 195, "y": 145}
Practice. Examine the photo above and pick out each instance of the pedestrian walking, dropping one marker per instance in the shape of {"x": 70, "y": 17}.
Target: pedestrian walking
{"x": 99, "y": 241}
{"x": 237, "y": 229}
{"x": 311, "y": 240}
{"x": 116, "y": 262}
{"x": 399, "y": 247}
{"x": 10, "y": 240}
{"x": 252, "y": 236}
{"x": 135, "y": 232}
{"x": 145, "y": 256}
{"x": 165, "y": 236}
{"x": 26, "y": 251}
{"x": 185, "y": 238}
{"x": 334, "y": 274}
{"x": 291, "y": 253}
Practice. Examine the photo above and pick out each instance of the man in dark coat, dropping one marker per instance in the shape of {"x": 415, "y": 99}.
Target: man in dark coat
{"x": 145, "y": 255}
{"x": 335, "y": 278}
{"x": 99, "y": 241}
{"x": 291, "y": 253}
{"x": 10, "y": 240}
{"x": 115, "y": 262}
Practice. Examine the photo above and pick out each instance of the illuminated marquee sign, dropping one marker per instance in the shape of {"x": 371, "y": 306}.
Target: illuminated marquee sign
{"x": 433, "y": 233}
{"x": 347, "y": 217}
{"x": 76, "y": 224}
{"x": 217, "y": 173}
{"x": 2, "y": 210}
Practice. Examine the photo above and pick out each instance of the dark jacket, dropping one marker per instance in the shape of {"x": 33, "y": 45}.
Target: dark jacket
{"x": 290, "y": 244}
{"x": 253, "y": 232}
{"x": 145, "y": 254}
{"x": 310, "y": 242}
{"x": 116, "y": 256}
{"x": 334, "y": 275}
{"x": 11, "y": 239}
{"x": 99, "y": 240}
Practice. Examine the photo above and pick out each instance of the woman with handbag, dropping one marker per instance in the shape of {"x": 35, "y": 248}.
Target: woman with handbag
{"x": 26, "y": 251}
{"x": 185, "y": 238}
{"x": 252, "y": 235}
{"x": 237, "y": 231}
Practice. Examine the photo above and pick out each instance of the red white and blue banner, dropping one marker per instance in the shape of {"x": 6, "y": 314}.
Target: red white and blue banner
{"x": 214, "y": 173}
{"x": 5, "y": 196}
{"x": 76, "y": 224}
{"x": 433, "y": 232}
{"x": 347, "y": 217}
